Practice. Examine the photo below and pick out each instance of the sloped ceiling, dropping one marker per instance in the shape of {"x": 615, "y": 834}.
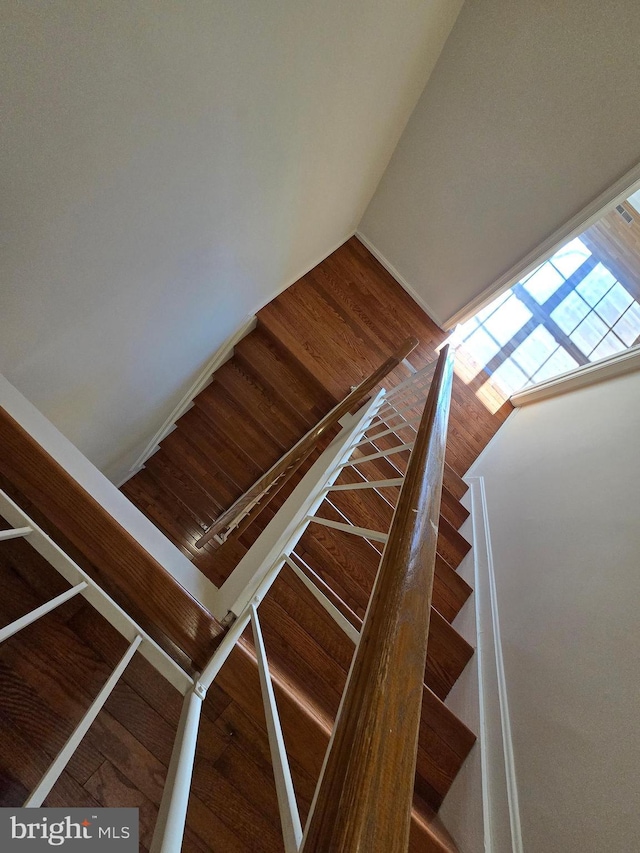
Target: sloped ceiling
{"x": 531, "y": 112}
{"x": 168, "y": 168}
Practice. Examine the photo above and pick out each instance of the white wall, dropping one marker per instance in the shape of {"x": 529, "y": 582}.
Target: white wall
{"x": 562, "y": 481}
{"x": 530, "y": 113}
{"x": 168, "y": 167}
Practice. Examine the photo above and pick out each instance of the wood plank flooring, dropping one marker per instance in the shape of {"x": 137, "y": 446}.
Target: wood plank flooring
{"x": 324, "y": 334}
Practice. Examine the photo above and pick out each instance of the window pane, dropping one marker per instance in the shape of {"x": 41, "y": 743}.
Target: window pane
{"x": 609, "y": 345}
{"x": 595, "y": 284}
{"x": 507, "y": 320}
{"x": 589, "y": 333}
{"x": 570, "y": 257}
{"x": 570, "y": 312}
{"x": 509, "y": 377}
{"x": 628, "y": 326}
{"x": 559, "y": 363}
{"x": 465, "y": 329}
{"x": 634, "y": 200}
{"x": 491, "y": 307}
{"x": 614, "y": 304}
{"x": 481, "y": 346}
{"x": 535, "y": 350}
{"x": 543, "y": 283}
{"x": 528, "y": 276}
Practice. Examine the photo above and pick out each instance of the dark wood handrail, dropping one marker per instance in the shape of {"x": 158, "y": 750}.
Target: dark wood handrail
{"x": 291, "y": 461}
{"x": 364, "y": 796}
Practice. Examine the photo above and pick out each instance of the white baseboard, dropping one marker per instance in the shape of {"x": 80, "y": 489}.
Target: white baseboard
{"x": 501, "y": 812}
{"x": 399, "y": 278}
{"x": 221, "y": 355}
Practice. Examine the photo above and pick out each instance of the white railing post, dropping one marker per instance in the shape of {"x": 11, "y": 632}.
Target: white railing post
{"x": 172, "y": 815}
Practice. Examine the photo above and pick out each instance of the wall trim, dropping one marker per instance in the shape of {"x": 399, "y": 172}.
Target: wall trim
{"x": 627, "y": 361}
{"x": 499, "y": 793}
{"x": 616, "y": 193}
{"x": 377, "y": 254}
{"x": 220, "y": 356}
{"x": 306, "y": 269}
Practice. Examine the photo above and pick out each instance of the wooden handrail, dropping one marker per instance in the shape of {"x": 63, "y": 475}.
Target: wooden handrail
{"x": 284, "y": 469}
{"x": 363, "y": 802}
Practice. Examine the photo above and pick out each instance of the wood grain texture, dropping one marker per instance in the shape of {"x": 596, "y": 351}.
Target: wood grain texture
{"x": 366, "y": 790}
{"x": 281, "y": 472}
{"x": 310, "y": 345}
{"x": 145, "y": 587}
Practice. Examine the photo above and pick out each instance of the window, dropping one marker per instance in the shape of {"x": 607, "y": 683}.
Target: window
{"x": 571, "y": 310}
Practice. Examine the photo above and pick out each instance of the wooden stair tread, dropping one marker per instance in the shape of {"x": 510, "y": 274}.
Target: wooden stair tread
{"x": 286, "y": 379}
{"x": 107, "y": 551}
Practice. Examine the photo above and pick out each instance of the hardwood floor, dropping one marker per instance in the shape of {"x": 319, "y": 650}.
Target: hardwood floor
{"x": 324, "y": 334}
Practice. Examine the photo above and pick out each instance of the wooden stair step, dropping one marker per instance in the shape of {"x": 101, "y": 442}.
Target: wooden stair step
{"x": 450, "y": 590}
{"x": 451, "y": 544}
{"x": 285, "y": 378}
{"x": 362, "y": 304}
{"x": 297, "y": 634}
{"x": 218, "y": 563}
{"x": 186, "y": 490}
{"x": 454, "y": 483}
{"x": 444, "y": 741}
{"x": 220, "y": 407}
{"x": 181, "y": 454}
{"x": 447, "y": 655}
{"x": 164, "y": 510}
{"x": 378, "y": 289}
{"x": 451, "y": 509}
{"x": 311, "y": 329}
{"x": 282, "y": 426}
{"x": 105, "y": 550}
{"x": 238, "y": 466}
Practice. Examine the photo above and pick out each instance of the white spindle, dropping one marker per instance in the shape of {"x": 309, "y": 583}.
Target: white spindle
{"x": 392, "y": 430}
{"x": 365, "y": 533}
{"x": 36, "y": 614}
{"x": 328, "y": 605}
{"x": 15, "y": 533}
{"x": 289, "y": 816}
{"x": 381, "y": 454}
{"x": 42, "y": 789}
{"x": 224, "y": 649}
{"x": 368, "y": 484}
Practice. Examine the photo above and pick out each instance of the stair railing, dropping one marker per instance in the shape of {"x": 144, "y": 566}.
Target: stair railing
{"x": 247, "y": 507}
{"x": 80, "y": 583}
{"x": 363, "y": 799}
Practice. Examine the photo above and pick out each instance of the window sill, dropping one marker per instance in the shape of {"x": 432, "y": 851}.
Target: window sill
{"x": 619, "y": 364}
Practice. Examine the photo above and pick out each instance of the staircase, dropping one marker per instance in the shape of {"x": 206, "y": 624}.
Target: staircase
{"x": 314, "y": 342}
{"x": 322, "y": 336}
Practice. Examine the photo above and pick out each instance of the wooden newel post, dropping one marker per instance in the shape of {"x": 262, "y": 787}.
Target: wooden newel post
{"x": 363, "y": 802}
